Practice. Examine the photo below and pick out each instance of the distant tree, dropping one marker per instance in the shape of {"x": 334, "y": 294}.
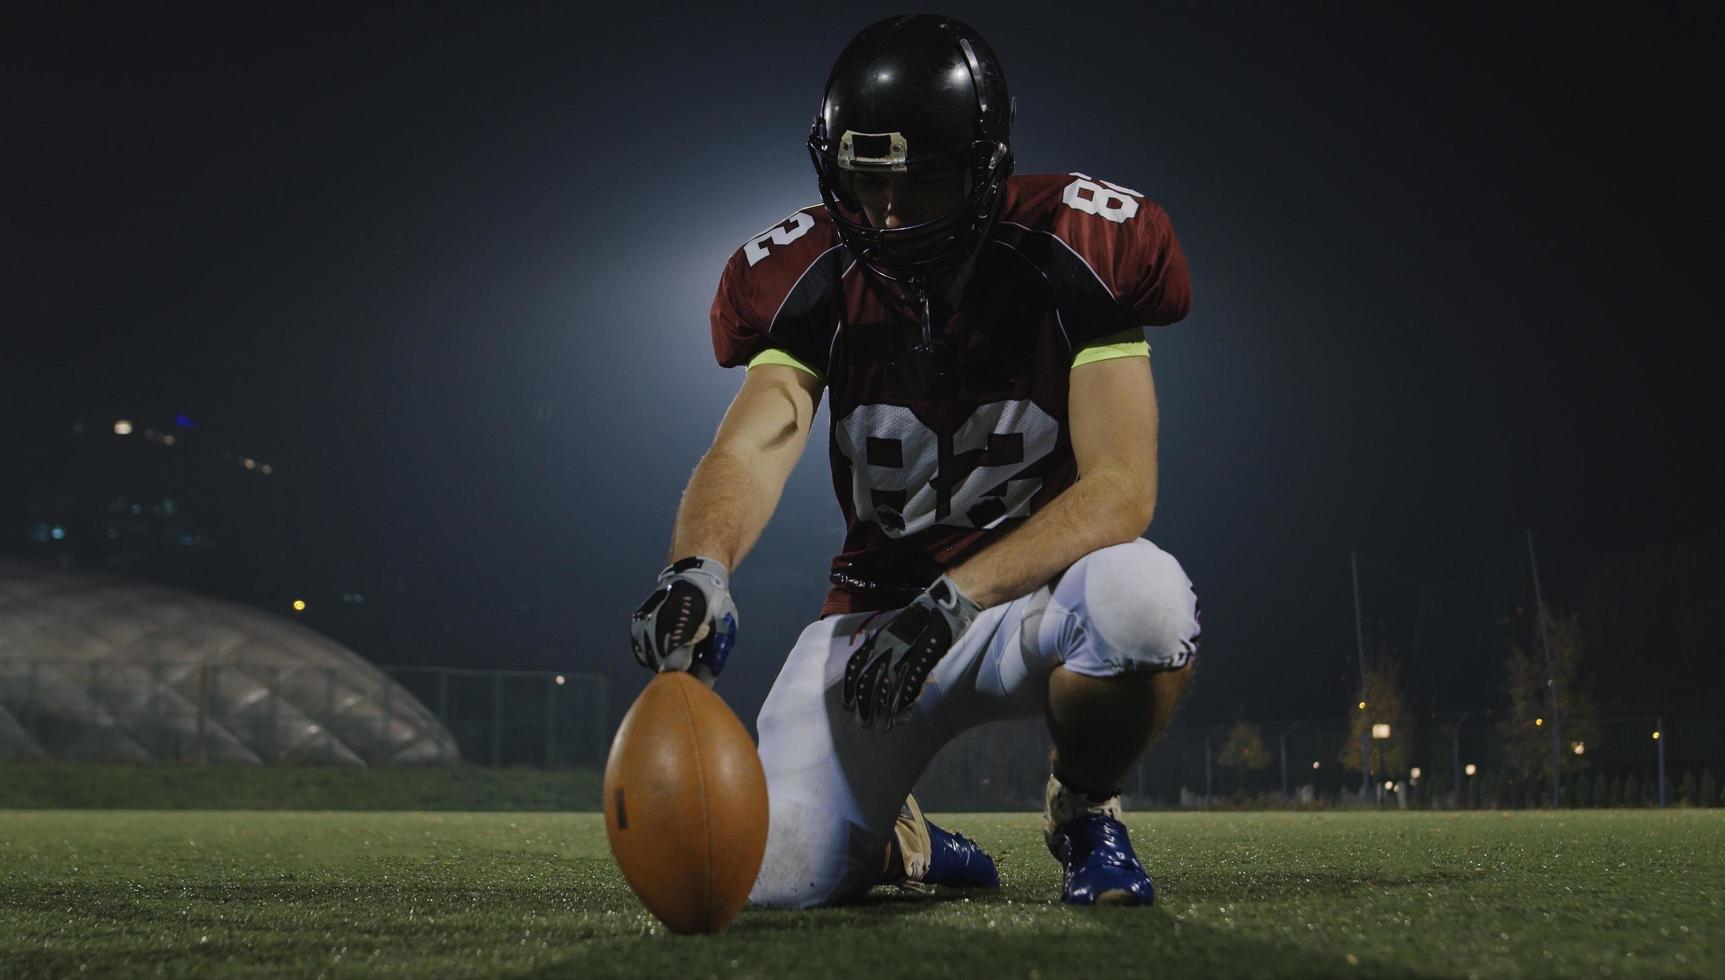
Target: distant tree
{"x": 1686, "y": 789}
{"x": 1601, "y": 794}
{"x": 1709, "y": 789}
{"x": 1243, "y": 750}
{"x": 1526, "y": 732}
{"x": 1631, "y": 795}
{"x": 1382, "y": 696}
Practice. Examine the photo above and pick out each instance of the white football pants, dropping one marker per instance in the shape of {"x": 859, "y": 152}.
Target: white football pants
{"x": 834, "y": 788}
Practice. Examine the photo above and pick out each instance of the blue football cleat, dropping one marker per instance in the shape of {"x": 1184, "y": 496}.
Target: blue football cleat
{"x": 1100, "y": 868}
{"x": 930, "y": 855}
{"x": 958, "y": 862}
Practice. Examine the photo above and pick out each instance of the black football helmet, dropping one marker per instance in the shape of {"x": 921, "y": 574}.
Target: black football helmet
{"x": 915, "y": 94}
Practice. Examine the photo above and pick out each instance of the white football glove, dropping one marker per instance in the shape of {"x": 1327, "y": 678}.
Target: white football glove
{"x": 689, "y": 622}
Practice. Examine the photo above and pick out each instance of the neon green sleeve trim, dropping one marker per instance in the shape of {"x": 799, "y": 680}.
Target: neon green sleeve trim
{"x": 772, "y": 355}
{"x": 1127, "y": 343}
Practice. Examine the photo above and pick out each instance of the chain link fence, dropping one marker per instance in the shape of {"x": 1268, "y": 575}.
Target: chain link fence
{"x": 516, "y": 717}
{"x": 188, "y": 712}
{"x": 1608, "y": 762}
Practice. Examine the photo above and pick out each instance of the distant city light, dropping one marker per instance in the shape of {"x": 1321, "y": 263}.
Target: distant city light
{"x": 58, "y": 533}
{"x": 299, "y": 605}
{"x": 123, "y": 428}
{"x": 1389, "y": 784}
{"x": 1471, "y": 769}
{"x": 1656, "y": 736}
{"x": 1538, "y": 722}
{"x": 249, "y": 463}
{"x": 1380, "y": 730}
{"x": 184, "y": 423}
{"x": 1362, "y": 706}
{"x": 1578, "y": 747}
{"x": 264, "y": 469}
{"x": 561, "y": 680}
{"x": 167, "y": 439}
{"x": 1315, "y": 763}
{"x": 1414, "y": 773}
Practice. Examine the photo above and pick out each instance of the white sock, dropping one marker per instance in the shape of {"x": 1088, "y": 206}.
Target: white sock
{"x": 1062, "y": 804}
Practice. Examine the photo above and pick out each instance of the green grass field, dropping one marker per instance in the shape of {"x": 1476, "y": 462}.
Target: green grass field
{"x": 112, "y": 893}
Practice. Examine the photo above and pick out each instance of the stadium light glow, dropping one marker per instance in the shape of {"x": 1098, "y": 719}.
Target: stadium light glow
{"x": 1538, "y": 722}
{"x": 1414, "y": 773}
{"x": 1471, "y": 769}
{"x": 123, "y": 427}
{"x": 299, "y": 605}
{"x": 1578, "y": 747}
{"x": 1380, "y": 731}
{"x": 1656, "y": 736}
{"x": 1389, "y": 785}
{"x": 1362, "y": 706}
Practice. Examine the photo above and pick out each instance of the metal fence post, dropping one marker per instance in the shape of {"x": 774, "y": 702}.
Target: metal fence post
{"x": 551, "y": 720}
{"x": 497, "y": 719}
{"x": 1365, "y": 761}
{"x": 31, "y": 699}
{"x": 270, "y": 716}
{"x": 443, "y": 695}
{"x": 1659, "y": 747}
{"x": 203, "y": 750}
{"x": 1209, "y": 784}
{"x": 388, "y": 718}
{"x": 1282, "y": 739}
{"x": 601, "y": 718}
{"x": 1287, "y": 790}
{"x": 1455, "y": 747}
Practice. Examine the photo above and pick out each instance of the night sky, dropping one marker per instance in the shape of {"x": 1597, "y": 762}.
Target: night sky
{"x": 1454, "y": 273}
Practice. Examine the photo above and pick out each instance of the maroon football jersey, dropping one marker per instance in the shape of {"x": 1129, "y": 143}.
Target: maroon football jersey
{"x": 927, "y": 477}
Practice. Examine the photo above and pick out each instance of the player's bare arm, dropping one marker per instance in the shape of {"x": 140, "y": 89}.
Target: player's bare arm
{"x": 1112, "y": 409}
{"x": 689, "y": 622}
{"x": 737, "y": 484}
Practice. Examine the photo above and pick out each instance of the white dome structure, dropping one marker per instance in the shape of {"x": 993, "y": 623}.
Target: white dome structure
{"x": 102, "y": 669}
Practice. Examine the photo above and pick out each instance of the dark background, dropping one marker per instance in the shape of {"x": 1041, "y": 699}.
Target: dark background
{"x": 447, "y": 270}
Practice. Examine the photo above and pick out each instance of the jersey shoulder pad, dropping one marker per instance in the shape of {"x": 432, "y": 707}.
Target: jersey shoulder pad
{"x": 779, "y": 290}
{"x": 1109, "y": 252}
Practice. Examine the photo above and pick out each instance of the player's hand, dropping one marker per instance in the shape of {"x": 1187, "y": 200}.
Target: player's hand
{"x": 689, "y": 622}
{"x": 885, "y": 676}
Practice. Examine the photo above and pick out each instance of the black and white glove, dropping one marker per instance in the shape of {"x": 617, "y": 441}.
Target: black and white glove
{"x": 885, "y": 676}
{"x": 689, "y": 622}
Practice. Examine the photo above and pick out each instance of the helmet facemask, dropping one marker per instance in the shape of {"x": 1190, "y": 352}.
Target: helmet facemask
{"x": 929, "y": 247}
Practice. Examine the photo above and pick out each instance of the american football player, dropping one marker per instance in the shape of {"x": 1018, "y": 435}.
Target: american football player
{"x": 979, "y": 336}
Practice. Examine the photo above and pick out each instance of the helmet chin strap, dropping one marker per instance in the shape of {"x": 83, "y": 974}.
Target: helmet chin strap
{"x": 919, "y": 286}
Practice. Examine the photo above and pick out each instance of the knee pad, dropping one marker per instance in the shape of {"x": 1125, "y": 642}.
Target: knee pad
{"x": 1129, "y": 607}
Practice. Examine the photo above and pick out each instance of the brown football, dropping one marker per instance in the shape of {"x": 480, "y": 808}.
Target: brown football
{"x": 686, "y": 804}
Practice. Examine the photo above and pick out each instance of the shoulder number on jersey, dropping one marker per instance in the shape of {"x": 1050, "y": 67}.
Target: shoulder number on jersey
{"x": 1101, "y": 197}
{"x": 792, "y": 229}
{"x": 905, "y": 477}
